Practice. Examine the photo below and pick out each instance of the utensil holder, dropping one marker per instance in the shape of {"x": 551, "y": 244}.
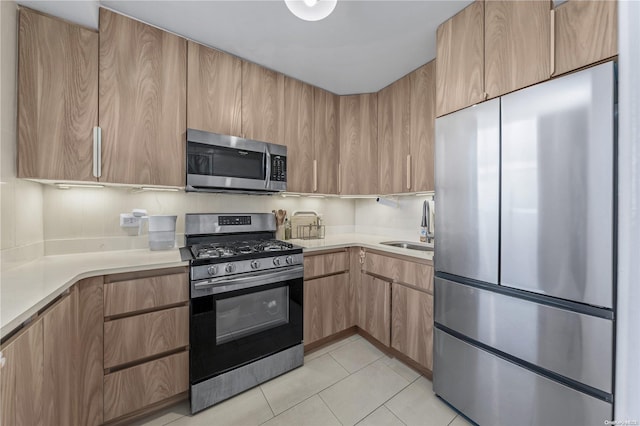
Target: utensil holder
{"x": 311, "y": 232}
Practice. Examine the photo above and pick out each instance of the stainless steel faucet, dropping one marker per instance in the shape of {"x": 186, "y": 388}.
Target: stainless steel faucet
{"x": 430, "y": 235}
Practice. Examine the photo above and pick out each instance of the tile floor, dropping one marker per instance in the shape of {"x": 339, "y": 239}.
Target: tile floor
{"x": 345, "y": 383}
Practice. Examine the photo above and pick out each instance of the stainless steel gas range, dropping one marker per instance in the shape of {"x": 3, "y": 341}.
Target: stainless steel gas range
{"x": 246, "y": 304}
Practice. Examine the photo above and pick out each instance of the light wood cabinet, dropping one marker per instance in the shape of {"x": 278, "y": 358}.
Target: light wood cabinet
{"x": 423, "y": 116}
{"x": 326, "y": 141}
{"x": 326, "y": 306}
{"x": 394, "y": 133}
{"x": 517, "y": 45}
{"x": 143, "y": 74}
{"x": 358, "y": 144}
{"x": 375, "y": 308}
{"x": 58, "y": 98}
{"x": 22, "y": 379}
{"x": 585, "y": 32}
{"x": 419, "y": 275}
{"x": 460, "y": 60}
{"x": 262, "y": 104}
{"x": 214, "y": 90}
{"x": 412, "y": 324}
{"x": 298, "y": 136}
{"x": 326, "y": 264}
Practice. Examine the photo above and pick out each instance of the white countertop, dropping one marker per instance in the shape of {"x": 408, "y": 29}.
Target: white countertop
{"x": 26, "y": 289}
{"x": 360, "y": 240}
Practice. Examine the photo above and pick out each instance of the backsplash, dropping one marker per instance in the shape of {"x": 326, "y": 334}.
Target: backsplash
{"x": 401, "y": 222}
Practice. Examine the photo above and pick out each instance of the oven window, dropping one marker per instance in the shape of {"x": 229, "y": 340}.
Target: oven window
{"x": 210, "y": 160}
{"x": 251, "y": 313}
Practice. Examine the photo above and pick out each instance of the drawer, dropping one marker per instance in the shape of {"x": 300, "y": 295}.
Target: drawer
{"x": 572, "y": 344}
{"x": 400, "y": 271}
{"x": 131, "y": 389}
{"x": 325, "y": 264}
{"x": 493, "y": 391}
{"x": 134, "y": 338}
{"x": 145, "y": 293}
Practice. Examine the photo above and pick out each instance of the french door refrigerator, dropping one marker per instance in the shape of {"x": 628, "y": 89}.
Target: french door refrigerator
{"x": 525, "y": 238}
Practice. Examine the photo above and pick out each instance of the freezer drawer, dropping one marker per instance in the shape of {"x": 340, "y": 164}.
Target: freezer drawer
{"x": 557, "y": 232}
{"x": 467, "y": 185}
{"x": 493, "y": 391}
{"x": 574, "y": 345}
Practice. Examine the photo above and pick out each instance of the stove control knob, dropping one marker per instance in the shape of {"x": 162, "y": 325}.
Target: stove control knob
{"x": 289, "y": 260}
{"x": 255, "y": 264}
{"x": 230, "y": 268}
{"x": 276, "y": 261}
{"x": 212, "y": 270}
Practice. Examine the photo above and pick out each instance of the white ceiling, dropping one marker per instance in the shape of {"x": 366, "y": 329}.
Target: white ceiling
{"x": 361, "y": 47}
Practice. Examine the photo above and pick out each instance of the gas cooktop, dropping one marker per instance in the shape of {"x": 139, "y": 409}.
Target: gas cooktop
{"x": 238, "y": 248}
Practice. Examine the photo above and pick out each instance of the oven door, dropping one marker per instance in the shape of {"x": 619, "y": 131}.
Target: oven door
{"x": 243, "y": 319}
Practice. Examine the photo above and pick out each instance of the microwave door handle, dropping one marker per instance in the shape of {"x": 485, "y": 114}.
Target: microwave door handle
{"x": 267, "y": 156}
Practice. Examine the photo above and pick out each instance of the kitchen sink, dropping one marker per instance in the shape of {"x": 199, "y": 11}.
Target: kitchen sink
{"x": 408, "y": 245}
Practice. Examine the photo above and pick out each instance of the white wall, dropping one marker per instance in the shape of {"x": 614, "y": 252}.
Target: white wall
{"x": 401, "y": 222}
{"x": 21, "y": 224}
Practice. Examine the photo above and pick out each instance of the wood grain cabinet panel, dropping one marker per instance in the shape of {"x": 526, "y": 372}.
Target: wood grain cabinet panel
{"x": 325, "y": 264}
{"x": 57, "y": 98}
{"x": 325, "y": 140}
{"x": 214, "y": 90}
{"x": 412, "y": 324}
{"x": 423, "y": 116}
{"x": 262, "y": 104}
{"x": 145, "y": 293}
{"x": 460, "y": 64}
{"x": 134, "y": 388}
{"x": 135, "y": 338}
{"x": 59, "y": 324}
{"x": 325, "y": 306}
{"x": 517, "y": 45}
{"x": 585, "y": 32}
{"x": 401, "y": 271}
{"x": 143, "y": 78}
{"x": 298, "y": 134}
{"x": 375, "y": 308}
{"x": 358, "y": 144}
{"x": 394, "y": 132}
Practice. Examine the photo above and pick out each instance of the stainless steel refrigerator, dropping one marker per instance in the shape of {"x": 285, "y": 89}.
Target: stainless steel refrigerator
{"x": 525, "y": 254}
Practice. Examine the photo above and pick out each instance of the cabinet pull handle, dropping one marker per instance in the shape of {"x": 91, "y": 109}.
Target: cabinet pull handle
{"x": 315, "y": 175}
{"x": 97, "y": 152}
{"x": 552, "y": 42}
{"x": 339, "y": 178}
{"x": 409, "y": 171}
{"x": 3, "y": 360}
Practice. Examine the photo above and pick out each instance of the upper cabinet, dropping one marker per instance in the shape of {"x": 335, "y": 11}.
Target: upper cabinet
{"x": 585, "y": 33}
{"x": 143, "y": 74}
{"x": 460, "y": 65}
{"x": 58, "y": 98}
{"x": 517, "y": 45}
{"x": 298, "y": 136}
{"x": 214, "y": 91}
{"x": 358, "y": 144}
{"x": 262, "y": 104}
{"x": 325, "y": 140}
{"x": 423, "y": 116}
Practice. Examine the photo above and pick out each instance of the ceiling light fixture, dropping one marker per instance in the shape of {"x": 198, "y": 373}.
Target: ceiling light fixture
{"x": 311, "y": 10}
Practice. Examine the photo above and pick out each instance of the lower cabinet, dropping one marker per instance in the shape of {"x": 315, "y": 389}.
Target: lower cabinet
{"x": 375, "y": 307}
{"x": 412, "y": 323}
{"x": 326, "y": 306}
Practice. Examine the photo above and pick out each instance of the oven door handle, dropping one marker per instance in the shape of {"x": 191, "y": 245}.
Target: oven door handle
{"x": 227, "y": 284}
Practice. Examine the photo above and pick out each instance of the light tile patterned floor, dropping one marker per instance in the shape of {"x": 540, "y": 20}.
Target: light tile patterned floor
{"x": 345, "y": 383}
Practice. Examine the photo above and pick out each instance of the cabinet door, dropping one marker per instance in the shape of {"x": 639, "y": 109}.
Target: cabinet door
{"x": 585, "y": 32}
{"x": 517, "y": 45}
{"x": 375, "y": 308}
{"x": 298, "y": 133}
{"x": 325, "y": 140}
{"x": 22, "y": 379}
{"x": 423, "y": 115}
{"x": 358, "y": 144}
{"x": 59, "y": 366}
{"x": 58, "y": 98}
{"x": 262, "y": 104}
{"x": 394, "y": 131}
{"x": 325, "y": 306}
{"x": 460, "y": 66}
{"x": 412, "y": 324}
{"x": 214, "y": 90}
{"x": 143, "y": 75}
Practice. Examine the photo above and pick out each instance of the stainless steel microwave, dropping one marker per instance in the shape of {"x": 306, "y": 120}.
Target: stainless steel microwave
{"x": 222, "y": 163}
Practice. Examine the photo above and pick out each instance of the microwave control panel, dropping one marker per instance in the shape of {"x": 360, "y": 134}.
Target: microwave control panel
{"x": 279, "y": 168}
